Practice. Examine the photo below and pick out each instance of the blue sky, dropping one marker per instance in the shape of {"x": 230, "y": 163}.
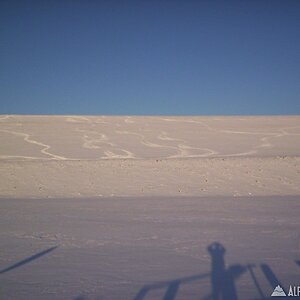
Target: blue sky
{"x": 150, "y": 57}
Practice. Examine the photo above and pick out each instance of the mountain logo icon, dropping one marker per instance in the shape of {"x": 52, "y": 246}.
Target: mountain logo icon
{"x": 278, "y": 292}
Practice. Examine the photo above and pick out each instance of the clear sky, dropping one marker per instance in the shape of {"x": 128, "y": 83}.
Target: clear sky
{"x": 150, "y": 57}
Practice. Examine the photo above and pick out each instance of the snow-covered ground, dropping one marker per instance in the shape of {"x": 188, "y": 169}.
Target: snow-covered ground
{"x": 76, "y": 156}
{"x": 143, "y": 208}
{"x": 146, "y": 248}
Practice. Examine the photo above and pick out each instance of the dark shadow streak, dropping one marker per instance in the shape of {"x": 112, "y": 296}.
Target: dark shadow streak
{"x": 172, "y": 286}
{"x": 27, "y": 260}
{"x": 271, "y": 276}
{"x": 250, "y": 268}
{"x": 79, "y": 298}
{"x": 297, "y": 262}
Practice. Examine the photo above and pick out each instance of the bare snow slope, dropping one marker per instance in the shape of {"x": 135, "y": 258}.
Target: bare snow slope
{"x": 87, "y": 156}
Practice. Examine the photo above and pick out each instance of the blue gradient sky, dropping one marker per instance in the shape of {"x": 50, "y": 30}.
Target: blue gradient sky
{"x": 150, "y": 57}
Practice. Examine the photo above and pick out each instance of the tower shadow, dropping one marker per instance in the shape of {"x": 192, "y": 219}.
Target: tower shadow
{"x": 222, "y": 278}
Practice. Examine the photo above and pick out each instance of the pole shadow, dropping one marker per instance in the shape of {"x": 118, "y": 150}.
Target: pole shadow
{"x": 27, "y": 260}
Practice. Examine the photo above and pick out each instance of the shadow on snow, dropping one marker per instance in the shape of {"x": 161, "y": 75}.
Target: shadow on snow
{"x": 27, "y": 260}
